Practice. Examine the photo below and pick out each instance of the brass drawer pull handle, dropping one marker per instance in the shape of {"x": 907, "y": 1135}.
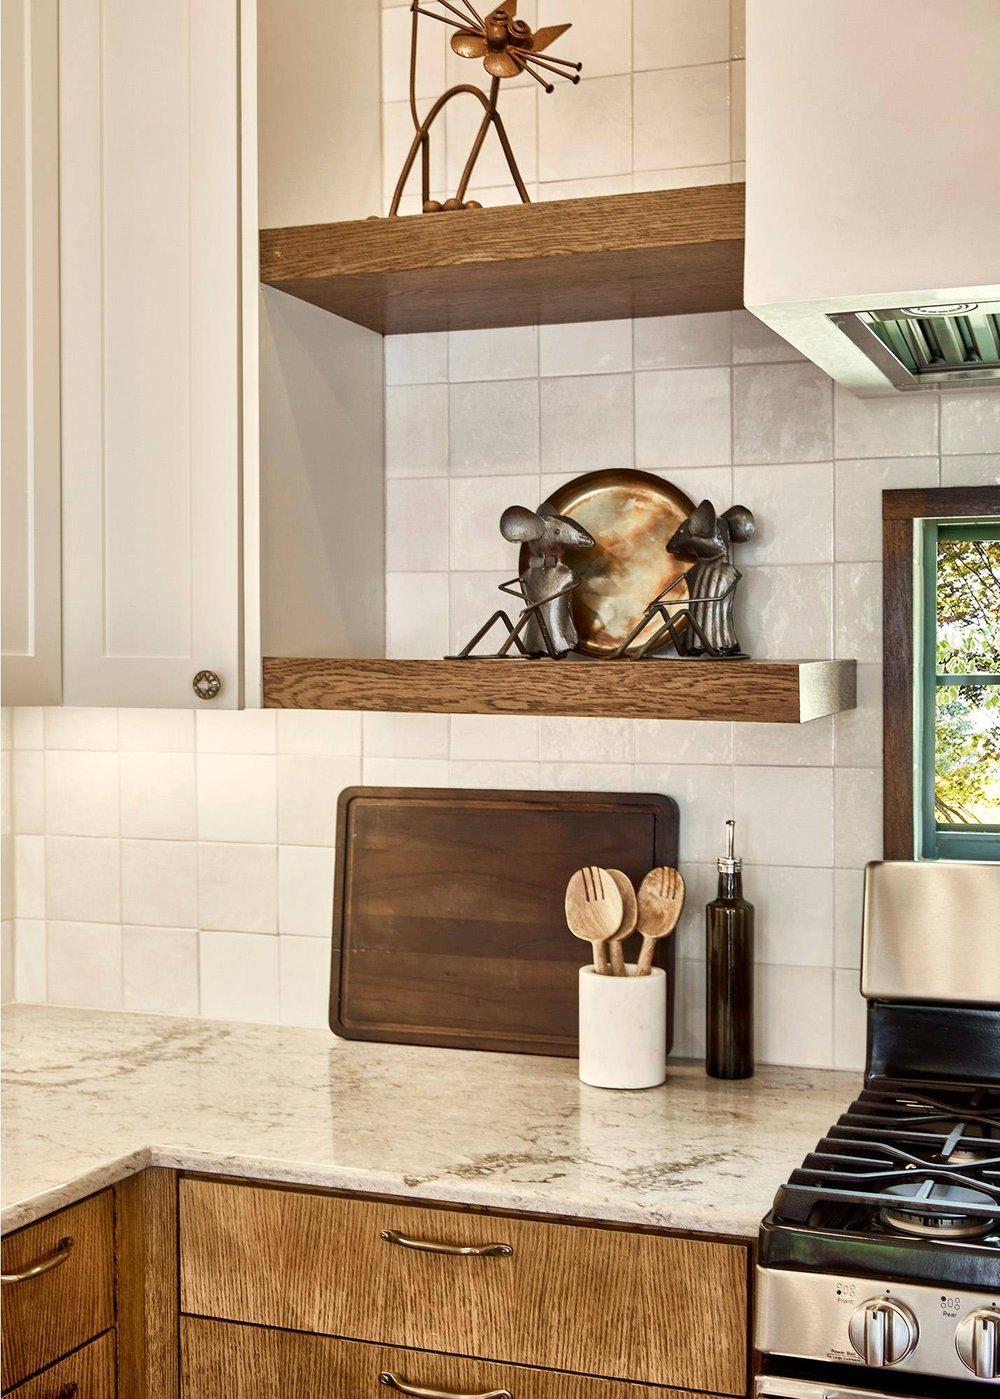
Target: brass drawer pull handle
{"x": 401, "y": 1386}
{"x": 393, "y": 1236}
{"x": 45, "y": 1264}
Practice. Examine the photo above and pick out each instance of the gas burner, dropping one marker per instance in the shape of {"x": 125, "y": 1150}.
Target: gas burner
{"x": 935, "y": 1145}
{"x": 963, "y": 1157}
{"x": 924, "y": 1219}
{"x": 950, "y": 1111}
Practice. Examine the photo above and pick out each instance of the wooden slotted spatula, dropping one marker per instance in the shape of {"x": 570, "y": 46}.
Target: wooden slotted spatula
{"x": 594, "y": 911}
{"x": 661, "y": 899}
{"x": 630, "y": 916}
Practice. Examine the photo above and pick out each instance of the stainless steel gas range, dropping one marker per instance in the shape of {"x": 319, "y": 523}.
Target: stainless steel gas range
{"x": 879, "y": 1263}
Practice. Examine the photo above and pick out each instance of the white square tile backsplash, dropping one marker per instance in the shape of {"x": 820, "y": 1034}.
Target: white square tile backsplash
{"x": 81, "y": 793}
{"x": 586, "y": 423}
{"x": 903, "y": 425}
{"x": 601, "y": 37}
{"x": 305, "y": 891}
{"x": 28, "y": 893}
{"x": 682, "y": 117}
{"x": 603, "y": 348}
{"x": 682, "y": 418}
{"x": 304, "y": 981}
{"x": 174, "y": 814}
{"x": 160, "y": 970}
{"x": 159, "y": 881}
{"x": 600, "y": 144}
{"x": 793, "y": 505}
{"x": 969, "y": 422}
{"x": 416, "y": 423}
{"x": 494, "y": 428}
{"x": 84, "y": 964}
{"x": 858, "y": 521}
{"x": 239, "y": 976}
{"x": 782, "y": 413}
{"x": 678, "y": 33}
{"x": 183, "y": 868}
{"x": 236, "y": 797}
{"x": 676, "y": 342}
{"x": 82, "y": 879}
{"x": 237, "y": 888}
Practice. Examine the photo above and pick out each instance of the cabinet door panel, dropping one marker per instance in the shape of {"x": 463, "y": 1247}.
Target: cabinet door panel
{"x": 29, "y": 415}
{"x": 91, "y": 1370}
{"x": 609, "y": 1302}
{"x": 150, "y": 266}
{"x": 61, "y": 1293}
{"x": 225, "y": 1361}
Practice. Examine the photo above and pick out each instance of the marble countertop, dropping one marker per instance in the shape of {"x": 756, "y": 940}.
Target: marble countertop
{"x": 90, "y": 1097}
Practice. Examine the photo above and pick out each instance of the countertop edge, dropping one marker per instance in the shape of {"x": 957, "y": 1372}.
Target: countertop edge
{"x": 741, "y": 1229}
{"x": 58, "y": 1197}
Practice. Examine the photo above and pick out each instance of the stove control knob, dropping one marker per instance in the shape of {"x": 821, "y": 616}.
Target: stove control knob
{"x": 977, "y": 1341}
{"x": 883, "y": 1332}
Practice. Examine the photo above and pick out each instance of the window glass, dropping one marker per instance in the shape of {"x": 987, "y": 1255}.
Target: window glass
{"x": 968, "y": 604}
{"x": 967, "y": 755}
{"x": 960, "y": 774}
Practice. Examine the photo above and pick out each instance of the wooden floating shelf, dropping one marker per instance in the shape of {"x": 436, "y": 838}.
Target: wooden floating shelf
{"x": 615, "y": 257}
{"x": 759, "y": 692}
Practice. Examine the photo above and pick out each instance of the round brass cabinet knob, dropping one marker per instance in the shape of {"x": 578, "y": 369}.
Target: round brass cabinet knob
{"x": 206, "y": 684}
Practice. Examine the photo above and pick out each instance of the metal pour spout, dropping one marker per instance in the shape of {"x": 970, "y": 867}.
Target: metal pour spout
{"x": 728, "y": 863}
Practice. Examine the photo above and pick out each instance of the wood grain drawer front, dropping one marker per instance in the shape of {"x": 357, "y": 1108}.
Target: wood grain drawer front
{"x": 224, "y": 1360}
{"x": 91, "y": 1370}
{"x": 68, "y": 1295}
{"x": 599, "y": 1301}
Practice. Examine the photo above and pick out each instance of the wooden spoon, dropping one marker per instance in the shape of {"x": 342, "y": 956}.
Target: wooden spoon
{"x": 630, "y": 916}
{"x": 594, "y": 911}
{"x": 661, "y": 899}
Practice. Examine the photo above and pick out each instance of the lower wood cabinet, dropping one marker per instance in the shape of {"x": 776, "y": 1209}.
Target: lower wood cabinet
{"x": 86, "y": 1374}
{"x": 614, "y": 1303}
{"x": 221, "y": 1360}
{"x": 58, "y": 1286}
{"x": 289, "y": 1293}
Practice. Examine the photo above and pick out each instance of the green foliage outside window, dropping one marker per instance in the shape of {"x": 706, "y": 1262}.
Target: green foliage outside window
{"x": 967, "y": 680}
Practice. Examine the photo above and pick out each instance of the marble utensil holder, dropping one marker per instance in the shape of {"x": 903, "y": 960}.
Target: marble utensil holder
{"x": 623, "y": 1028}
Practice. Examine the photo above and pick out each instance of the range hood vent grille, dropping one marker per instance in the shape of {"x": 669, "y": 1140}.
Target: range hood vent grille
{"x": 921, "y": 345}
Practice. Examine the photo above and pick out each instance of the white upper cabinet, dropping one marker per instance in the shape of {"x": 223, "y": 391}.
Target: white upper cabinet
{"x": 149, "y": 533}
{"x": 150, "y": 273}
{"x": 29, "y": 356}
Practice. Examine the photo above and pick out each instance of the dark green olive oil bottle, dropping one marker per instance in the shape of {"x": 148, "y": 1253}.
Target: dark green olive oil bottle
{"x": 729, "y": 1000}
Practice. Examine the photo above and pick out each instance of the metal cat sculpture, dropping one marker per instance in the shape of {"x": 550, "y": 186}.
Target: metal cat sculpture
{"x": 702, "y": 623}
{"x": 507, "y": 47}
{"x": 545, "y": 626}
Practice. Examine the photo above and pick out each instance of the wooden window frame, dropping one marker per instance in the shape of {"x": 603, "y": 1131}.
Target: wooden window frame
{"x": 903, "y": 514}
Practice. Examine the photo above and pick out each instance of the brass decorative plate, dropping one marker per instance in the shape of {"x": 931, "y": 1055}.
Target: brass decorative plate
{"x": 631, "y": 515}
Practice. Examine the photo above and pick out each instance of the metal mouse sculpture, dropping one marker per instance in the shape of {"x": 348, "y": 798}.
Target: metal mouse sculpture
{"x": 545, "y": 626}
{"x": 702, "y": 623}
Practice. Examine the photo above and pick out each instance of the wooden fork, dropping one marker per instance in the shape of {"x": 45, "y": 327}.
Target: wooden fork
{"x": 594, "y": 911}
{"x": 661, "y": 900}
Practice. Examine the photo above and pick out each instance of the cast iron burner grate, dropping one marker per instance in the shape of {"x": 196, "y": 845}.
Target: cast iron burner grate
{"x": 907, "y": 1157}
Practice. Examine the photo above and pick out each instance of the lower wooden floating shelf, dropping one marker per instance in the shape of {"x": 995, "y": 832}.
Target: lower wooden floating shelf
{"x": 753, "y": 692}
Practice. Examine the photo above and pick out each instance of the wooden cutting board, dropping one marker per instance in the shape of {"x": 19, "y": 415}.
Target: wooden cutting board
{"x": 448, "y": 925}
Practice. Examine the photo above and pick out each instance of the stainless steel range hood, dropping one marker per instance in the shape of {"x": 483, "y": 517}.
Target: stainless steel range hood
{"x": 873, "y": 210}
{"x": 915, "y": 346}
